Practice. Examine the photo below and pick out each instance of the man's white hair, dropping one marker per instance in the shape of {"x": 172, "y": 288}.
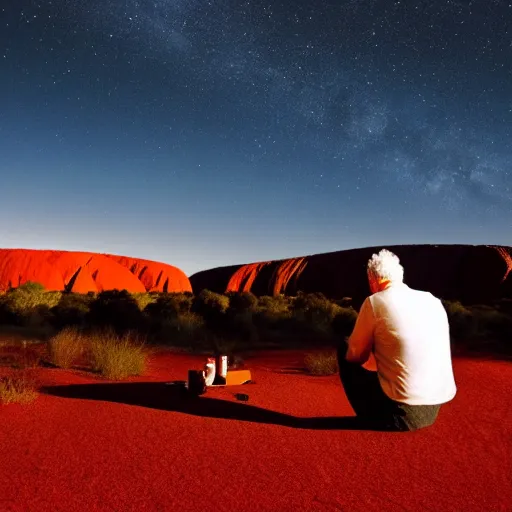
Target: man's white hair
{"x": 385, "y": 266}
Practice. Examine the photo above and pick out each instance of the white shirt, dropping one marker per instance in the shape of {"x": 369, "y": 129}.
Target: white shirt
{"x": 409, "y": 333}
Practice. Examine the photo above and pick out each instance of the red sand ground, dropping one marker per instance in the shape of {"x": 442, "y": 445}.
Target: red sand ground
{"x": 138, "y": 446}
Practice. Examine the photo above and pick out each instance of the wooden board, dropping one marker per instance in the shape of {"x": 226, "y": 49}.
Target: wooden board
{"x": 235, "y": 378}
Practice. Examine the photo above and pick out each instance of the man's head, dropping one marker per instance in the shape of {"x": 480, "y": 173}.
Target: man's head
{"x": 384, "y": 268}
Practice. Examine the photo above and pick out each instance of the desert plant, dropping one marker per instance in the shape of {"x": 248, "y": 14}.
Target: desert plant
{"x": 17, "y": 388}
{"x": 116, "y": 309}
{"x": 72, "y": 310}
{"x": 27, "y": 305}
{"x": 189, "y": 323}
{"x": 212, "y": 307}
{"x": 143, "y": 299}
{"x": 164, "y": 309}
{"x": 344, "y": 321}
{"x": 242, "y": 302}
{"x": 29, "y": 287}
{"x": 116, "y": 357}
{"x": 65, "y": 348}
{"x": 321, "y": 363}
{"x": 493, "y": 323}
{"x": 463, "y": 324}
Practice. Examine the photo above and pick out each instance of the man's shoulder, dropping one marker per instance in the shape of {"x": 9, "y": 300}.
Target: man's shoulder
{"x": 404, "y": 290}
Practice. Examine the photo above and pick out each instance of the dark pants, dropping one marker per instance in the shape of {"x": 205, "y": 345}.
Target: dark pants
{"x": 373, "y": 406}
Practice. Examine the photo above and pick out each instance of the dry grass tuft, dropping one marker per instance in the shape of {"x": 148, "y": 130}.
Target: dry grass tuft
{"x": 116, "y": 357}
{"x": 65, "y": 348}
{"x": 17, "y": 388}
{"x": 321, "y": 363}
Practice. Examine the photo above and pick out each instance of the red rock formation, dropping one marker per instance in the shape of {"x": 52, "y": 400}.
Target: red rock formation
{"x": 83, "y": 272}
{"x": 156, "y": 277}
{"x": 287, "y": 270}
{"x": 243, "y": 279}
{"x": 464, "y": 272}
{"x": 507, "y": 258}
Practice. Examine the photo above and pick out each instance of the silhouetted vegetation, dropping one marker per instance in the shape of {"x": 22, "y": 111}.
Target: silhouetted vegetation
{"x": 224, "y": 322}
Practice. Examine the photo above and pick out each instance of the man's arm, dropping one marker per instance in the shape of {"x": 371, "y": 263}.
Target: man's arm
{"x": 360, "y": 342}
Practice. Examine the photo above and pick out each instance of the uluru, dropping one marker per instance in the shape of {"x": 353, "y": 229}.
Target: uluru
{"x": 471, "y": 273}
{"x": 84, "y": 272}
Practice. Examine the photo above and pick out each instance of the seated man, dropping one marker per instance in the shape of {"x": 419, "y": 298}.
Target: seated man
{"x": 408, "y": 334}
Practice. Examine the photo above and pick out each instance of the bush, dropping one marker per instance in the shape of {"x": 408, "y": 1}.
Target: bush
{"x": 116, "y": 309}
{"x": 212, "y": 307}
{"x": 17, "y": 388}
{"x": 272, "y": 312}
{"x": 189, "y": 323}
{"x": 321, "y": 363}
{"x": 171, "y": 321}
{"x": 116, "y": 357}
{"x": 166, "y": 308}
{"x": 463, "y": 324}
{"x": 242, "y": 302}
{"x": 65, "y": 348}
{"x": 493, "y": 323}
{"x": 314, "y": 315}
{"x": 344, "y": 322}
{"x": 143, "y": 299}
{"x": 72, "y": 310}
{"x": 27, "y": 305}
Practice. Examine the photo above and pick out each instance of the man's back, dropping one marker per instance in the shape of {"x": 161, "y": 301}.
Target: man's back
{"x": 412, "y": 346}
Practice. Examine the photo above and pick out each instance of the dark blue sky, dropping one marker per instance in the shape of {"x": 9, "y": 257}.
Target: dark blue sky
{"x": 207, "y": 133}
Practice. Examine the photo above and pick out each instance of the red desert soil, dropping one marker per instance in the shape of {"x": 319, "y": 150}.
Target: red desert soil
{"x": 87, "y": 444}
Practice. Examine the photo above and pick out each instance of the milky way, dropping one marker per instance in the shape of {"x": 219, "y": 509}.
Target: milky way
{"x": 340, "y": 105}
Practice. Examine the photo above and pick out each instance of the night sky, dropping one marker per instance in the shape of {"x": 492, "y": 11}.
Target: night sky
{"x": 208, "y": 133}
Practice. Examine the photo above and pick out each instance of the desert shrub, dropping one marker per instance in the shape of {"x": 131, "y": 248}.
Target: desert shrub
{"x": 316, "y": 311}
{"x": 272, "y": 311}
{"x": 239, "y": 316}
{"x": 27, "y": 305}
{"x": 65, "y": 348}
{"x": 116, "y": 357}
{"x": 321, "y": 363}
{"x": 492, "y": 323}
{"x": 143, "y": 299}
{"x": 171, "y": 321}
{"x": 345, "y": 302}
{"x": 30, "y": 287}
{"x": 189, "y": 323}
{"x": 186, "y": 329}
{"x": 241, "y": 326}
{"x": 344, "y": 321}
{"x": 72, "y": 310}
{"x": 168, "y": 306}
{"x": 184, "y": 299}
{"x": 277, "y": 304}
{"x": 17, "y": 388}
{"x": 242, "y": 302}
{"x": 212, "y": 307}
{"x": 463, "y": 324}
{"x": 504, "y": 305}
{"x": 116, "y": 309}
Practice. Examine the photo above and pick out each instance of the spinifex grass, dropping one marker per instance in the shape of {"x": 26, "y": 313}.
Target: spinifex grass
{"x": 66, "y": 347}
{"x": 17, "y": 388}
{"x": 116, "y": 357}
